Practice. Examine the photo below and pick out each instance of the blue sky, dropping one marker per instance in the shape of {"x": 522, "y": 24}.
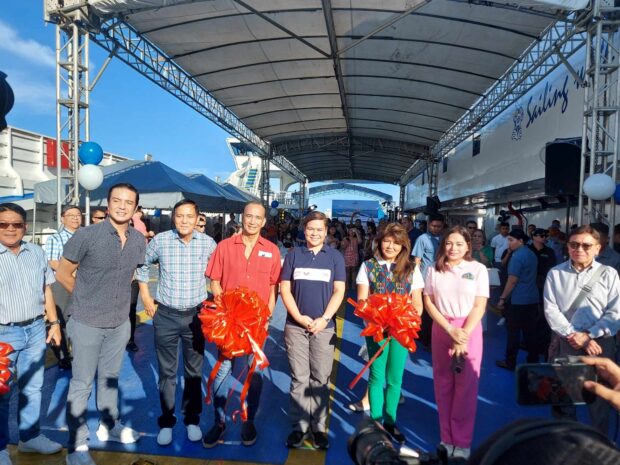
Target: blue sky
{"x": 130, "y": 115}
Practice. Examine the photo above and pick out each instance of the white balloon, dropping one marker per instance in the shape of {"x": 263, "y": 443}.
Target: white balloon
{"x": 90, "y": 177}
{"x": 599, "y": 186}
{"x": 273, "y": 212}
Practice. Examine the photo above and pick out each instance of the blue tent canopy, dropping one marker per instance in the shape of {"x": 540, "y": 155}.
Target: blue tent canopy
{"x": 159, "y": 185}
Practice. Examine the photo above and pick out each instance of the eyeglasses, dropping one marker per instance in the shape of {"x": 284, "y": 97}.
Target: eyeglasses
{"x": 73, "y": 216}
{"x": 98, "y": 217}
{"x": 15, "y": 225}
{"x": 584, "y": 245}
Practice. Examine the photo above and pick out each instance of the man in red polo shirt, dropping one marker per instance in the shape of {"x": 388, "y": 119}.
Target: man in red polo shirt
{"x": 251, "y": 261}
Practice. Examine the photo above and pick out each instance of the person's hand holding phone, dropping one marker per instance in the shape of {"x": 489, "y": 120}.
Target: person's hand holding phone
{"x": 609, "y": 372}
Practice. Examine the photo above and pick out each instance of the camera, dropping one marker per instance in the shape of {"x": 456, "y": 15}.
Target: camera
{"x": 371, "y": 445}
{"x": 559, "y": 383}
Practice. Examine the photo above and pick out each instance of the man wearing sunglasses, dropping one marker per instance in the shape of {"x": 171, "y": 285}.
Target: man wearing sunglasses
{"x": 25, "y": 298}
{"x": 97, "y": 216}
{"x": 582, "y": 307}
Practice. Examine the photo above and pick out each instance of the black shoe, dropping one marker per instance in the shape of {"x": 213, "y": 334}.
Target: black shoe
{"x": 215, "y": 435}
{"x": 319, "y": 440}
{"x": 394, "y": 432}
{"x": 132, "y": 347}
{"x": 358, "y": 406}
{"x": 248, "y": 433}
{"x": 505, "y": 365}
{"x": 64, "y": 364}
{"x": 295, "y": 439}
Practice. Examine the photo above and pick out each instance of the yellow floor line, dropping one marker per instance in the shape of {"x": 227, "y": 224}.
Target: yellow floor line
{"x": 311, "y": 456}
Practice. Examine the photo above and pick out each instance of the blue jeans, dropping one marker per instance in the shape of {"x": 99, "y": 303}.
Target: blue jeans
{"x": 29, "y": 363}
{"x": 220, "y": 390}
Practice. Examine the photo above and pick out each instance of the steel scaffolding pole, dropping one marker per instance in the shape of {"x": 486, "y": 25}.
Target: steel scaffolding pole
{"x": 264, "y": 181}
{"x": 72, "y": 115}
{"x": 599, "y": 147}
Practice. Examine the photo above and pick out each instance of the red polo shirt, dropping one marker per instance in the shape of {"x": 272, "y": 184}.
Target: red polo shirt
{"x": 229, "y": 266}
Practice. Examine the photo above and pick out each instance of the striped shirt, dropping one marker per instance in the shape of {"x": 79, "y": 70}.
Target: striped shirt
{"x": 23, "y": 278}
{"x": 182, "y": 283}
{"x": 55, "y": 243}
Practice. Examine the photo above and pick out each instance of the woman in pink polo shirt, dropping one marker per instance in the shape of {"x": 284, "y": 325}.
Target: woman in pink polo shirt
{"x": 455, "y": 294}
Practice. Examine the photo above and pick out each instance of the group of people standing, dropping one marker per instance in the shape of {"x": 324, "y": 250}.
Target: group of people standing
{"x": 444, "y": 272}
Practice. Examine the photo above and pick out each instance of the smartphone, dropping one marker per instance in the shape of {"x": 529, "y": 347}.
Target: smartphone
{"x": 554, "y": 383}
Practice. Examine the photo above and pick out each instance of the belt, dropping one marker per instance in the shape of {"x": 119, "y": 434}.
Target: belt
{"x": 24, "y": 323}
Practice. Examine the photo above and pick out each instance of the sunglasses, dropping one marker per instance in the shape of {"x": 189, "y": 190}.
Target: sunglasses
{"x": 584, "y": 245}
{"x": 98, "y": 217}
{"x": 15, "y": 225}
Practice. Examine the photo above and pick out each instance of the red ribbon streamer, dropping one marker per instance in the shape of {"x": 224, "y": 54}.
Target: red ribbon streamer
{"x": 236, "y": 321}
{"x": 387, "y": 316}
{"x": 5, "y": 363}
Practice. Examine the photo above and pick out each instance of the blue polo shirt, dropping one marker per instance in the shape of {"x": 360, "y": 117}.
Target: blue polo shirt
{"x": 426, "y": 249}
{"x": 524, "y": 265}
{"x": 312, "y": 278}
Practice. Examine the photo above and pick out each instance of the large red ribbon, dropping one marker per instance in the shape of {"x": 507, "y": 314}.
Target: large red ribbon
{"x": 387, "y": 316}
{"x": 236, "y": 322}
{"x": 5, "y": 363}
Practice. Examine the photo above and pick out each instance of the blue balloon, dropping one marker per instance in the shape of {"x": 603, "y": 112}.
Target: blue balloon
{"x": 617, "y": 194}
{"x": 90, "y": 153}
{"x": 275, "y": 204}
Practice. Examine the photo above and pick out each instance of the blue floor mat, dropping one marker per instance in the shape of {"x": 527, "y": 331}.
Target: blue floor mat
{"x": 417, "y": 418}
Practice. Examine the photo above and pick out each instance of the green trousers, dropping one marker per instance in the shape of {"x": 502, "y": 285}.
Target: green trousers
{"x": 384, "y": 396}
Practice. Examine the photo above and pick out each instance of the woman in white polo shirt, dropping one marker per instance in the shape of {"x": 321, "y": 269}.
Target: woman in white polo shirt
{"x": 455, "y": 295}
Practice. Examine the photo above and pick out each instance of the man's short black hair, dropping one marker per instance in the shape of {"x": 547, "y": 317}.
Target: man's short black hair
{"x": 436, "y": 217}
{"x": 503, "y": 224}
{"x": 472, "y": 222}
{"x": 124, "y": 185}
{"x": 180, "y": 203}
{"x": 13, "y": 207}
{"x": 66, "y": 208}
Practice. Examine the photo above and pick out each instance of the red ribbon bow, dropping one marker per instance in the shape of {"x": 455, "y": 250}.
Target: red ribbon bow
{"x": 5, "y": 363}
{"x": 387, "y": 316}
{"x": 236, "y": 321}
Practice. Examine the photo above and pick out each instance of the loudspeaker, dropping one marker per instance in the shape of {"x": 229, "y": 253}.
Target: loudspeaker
{"x": 433, "y": 205}
{"x": 562, "y": 163}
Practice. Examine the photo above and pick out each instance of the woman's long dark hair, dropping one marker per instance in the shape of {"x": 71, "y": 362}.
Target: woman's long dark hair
{"x": 441, "y": 263}
{"x": 403, "y": 266}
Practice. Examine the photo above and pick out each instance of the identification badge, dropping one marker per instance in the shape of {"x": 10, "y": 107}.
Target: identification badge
{"x": 469, "y": 276}
{"x": 262, "y": 253}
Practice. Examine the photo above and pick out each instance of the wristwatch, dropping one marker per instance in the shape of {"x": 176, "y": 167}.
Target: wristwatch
{"x": 52, "y": 323}
{"x": 326, "y": 318}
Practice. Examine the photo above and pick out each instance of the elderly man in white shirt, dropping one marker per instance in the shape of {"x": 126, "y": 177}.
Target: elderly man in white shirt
{"x": 582, "y": 307}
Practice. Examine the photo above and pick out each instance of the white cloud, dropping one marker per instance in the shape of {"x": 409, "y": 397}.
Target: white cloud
{"x": 28, "y": 49}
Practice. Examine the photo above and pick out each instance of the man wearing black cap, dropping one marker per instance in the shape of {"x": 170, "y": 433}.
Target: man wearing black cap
{"x": 521, "y": 314}
{"x": 546, "y": 261}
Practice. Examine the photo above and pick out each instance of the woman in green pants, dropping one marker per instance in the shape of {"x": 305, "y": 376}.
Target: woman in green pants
{"x": 389, "y": 271}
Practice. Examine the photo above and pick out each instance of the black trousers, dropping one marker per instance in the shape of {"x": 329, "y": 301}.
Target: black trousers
{"x": 61, "y": 298}
{"x": 171, "y": 327}
{"x": 133, "y": 306}
{"x": 522, "y": 319}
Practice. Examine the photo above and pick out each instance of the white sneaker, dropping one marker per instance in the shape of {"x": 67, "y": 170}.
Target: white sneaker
{"x": 461, "y": 452}
{"x": 79, "y": 457}
{"x": 449, "y": 448}
{"x": 501, "y": 322}
{"x": 39, "y": 445}
{"x": 5, "y": 459}
{"x": 164, "y": 438}
{"x": 120, "y": 433}
{"x": 194, "y": 433}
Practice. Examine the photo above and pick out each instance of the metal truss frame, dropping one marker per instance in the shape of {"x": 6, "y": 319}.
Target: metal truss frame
{"x": 124, "y": 42}
{"x": 328, "y": 189}
{"x": 561, "y": 40}
{"x": 601, "y": 124}
{"x": 72, "y": 107}
{"x": 343, "y": 143}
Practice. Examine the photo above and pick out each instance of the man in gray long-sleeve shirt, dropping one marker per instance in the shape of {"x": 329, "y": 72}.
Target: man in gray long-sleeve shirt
{"x": 591, "y": 328}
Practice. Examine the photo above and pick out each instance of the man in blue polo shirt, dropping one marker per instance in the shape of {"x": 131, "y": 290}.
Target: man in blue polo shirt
{"x": 522, "y": 313}
{"x": 312, "y": 288}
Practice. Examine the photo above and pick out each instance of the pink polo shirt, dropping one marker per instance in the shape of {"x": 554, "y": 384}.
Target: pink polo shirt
{"x": 258, "y": 273}
{"x": 455, "y": 290}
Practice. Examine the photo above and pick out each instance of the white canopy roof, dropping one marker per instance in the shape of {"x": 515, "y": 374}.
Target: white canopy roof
{"x": 285, "y": 69}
